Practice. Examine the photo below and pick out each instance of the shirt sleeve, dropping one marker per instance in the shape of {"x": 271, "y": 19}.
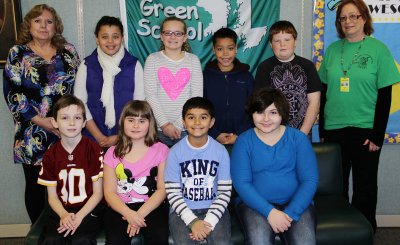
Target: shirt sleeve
{"x": 13, "y": 90}
{"x": 242, "y": 177}
{"x": 80, "y": 88}
{"x": 246, "y": 121}
{"x": 47, "y": 175}
{"x": 307, "y": 174}
{"x": 224, "y": 189}
{"x": 109, "y": 158}
{"x": 387, "y": 73}
{"x": 96, "y": 162}
{"x": 174, "y": 191}
{"x": 313, "y": 80}
{"x": 322, "y": 72}
{"x": 150, "y": 89}
{"x": 139, "y": 83}
{"x": 261, "y": 79}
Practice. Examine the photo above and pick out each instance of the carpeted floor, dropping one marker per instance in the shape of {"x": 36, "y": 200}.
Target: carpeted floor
{"x": 383, "y": 236}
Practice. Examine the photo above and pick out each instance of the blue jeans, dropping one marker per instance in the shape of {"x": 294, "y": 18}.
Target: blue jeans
{"x": 167, "y": 140}
{"x": 221, "y": 235}
{"x": 258, "y": 231}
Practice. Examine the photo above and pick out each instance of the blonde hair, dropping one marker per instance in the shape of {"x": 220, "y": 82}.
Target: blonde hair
{"x": 185, "y": 47}
{"x": 135, "y": 108}
{"x": 24, "y": 35}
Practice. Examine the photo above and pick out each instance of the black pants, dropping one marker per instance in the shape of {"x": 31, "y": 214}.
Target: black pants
{"x": 364, "y": 166}
{"x": 156, "y": 232}
{"x": 84, "y": 235}
{"x": 34, "y": 193}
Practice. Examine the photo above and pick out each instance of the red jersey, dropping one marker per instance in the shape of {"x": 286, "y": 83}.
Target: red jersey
{"x": 73, "y": 174}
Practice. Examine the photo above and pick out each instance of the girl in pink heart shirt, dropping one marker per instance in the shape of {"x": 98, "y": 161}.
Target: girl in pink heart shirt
{"x": 171, "y": 77}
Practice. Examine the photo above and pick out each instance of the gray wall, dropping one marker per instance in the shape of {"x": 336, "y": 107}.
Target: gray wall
{"x": 12, "y": 209}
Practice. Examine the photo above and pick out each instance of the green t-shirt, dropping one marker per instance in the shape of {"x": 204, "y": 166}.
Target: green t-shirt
{"x": 373, "y": 68}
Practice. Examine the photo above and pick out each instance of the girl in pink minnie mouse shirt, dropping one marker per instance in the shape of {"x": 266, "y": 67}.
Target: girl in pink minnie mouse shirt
{"x": 171, "y": 77}
{"x": 133, "y": 180}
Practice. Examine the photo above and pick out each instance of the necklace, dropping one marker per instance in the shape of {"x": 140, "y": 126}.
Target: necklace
{"x": 354, "y": 57}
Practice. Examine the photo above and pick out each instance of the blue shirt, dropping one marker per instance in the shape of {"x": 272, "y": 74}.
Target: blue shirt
{"x": 283, "y": 173}
{"x": 197, "y": 170}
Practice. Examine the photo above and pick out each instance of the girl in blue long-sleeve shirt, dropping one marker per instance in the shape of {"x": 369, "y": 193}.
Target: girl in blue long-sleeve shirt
{"x": 274, "y": 171}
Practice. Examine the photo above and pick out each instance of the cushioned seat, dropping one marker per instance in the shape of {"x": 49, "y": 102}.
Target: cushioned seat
{"x": 337, "y": 221}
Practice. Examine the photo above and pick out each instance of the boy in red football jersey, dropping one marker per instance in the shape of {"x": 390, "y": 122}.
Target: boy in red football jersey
{"x": 72, "y": 170}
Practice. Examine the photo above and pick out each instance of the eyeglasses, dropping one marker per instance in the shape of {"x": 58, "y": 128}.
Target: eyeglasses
{"x": 170, "y": 33}
{"x": 350, "y": 17}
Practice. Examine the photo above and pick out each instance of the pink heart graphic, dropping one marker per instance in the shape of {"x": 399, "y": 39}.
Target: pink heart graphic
{"x": 173, "y": 85}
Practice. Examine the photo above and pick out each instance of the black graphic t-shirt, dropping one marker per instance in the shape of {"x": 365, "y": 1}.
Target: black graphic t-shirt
{"x": 295, "y": 79}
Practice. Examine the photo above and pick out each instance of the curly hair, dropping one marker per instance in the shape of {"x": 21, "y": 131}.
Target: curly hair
{"x": 364, "y": 12}
{"x": 24, "y": 35}
{"x": 108, "y": 21}
{"x": 185, "y": 47}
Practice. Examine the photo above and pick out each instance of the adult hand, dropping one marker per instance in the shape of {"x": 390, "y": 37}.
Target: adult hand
{"x": 171, "y": 131}
{"x": 200, "y": 230}
{"x": 45, "y": 123}
{"x": 108, "y": 141}
{"x": 279, "y": 221}
{"x": 371, "y": 145}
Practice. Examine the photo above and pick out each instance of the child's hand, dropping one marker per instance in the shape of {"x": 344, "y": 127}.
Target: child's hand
{"x": 67, "y": 221}
{"x": 200, "y": 230}
{"x": 226, "y": 138}
{"x": 132, "y": 230}
{"x": 77, "y": 221}
{"x": 279, "y": 221}
{"x": 171, "y": 131}
{"x": 134, "y": 219}
{"x": 66, "y": 224}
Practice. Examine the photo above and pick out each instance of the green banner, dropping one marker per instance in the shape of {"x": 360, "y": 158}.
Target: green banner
{"x": 250, "y": 19}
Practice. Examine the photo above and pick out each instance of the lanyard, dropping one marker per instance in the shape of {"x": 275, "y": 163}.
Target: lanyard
{"x": 354, "y": 57}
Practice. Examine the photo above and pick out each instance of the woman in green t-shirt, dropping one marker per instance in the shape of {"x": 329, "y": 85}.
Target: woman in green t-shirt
{"x": 358, "y": 72}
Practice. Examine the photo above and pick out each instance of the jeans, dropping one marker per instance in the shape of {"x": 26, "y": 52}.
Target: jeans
{"x": 221, "y": 235}
{"x": 167, "y": 140}
{"x": 258, "y": 231}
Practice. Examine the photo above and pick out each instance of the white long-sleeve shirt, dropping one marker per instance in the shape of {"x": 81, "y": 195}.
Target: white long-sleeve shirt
{"x": 163, "y": 79}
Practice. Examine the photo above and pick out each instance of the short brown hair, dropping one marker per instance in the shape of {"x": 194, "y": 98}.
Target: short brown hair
{"x": 135, "y": 108}
{"x": 282, "y": 26}
{"x": 24, "y": 35}
{"x": 65, "y": 101}
{"x": 364, "y": 12}
{"x": 265, "y": 97}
